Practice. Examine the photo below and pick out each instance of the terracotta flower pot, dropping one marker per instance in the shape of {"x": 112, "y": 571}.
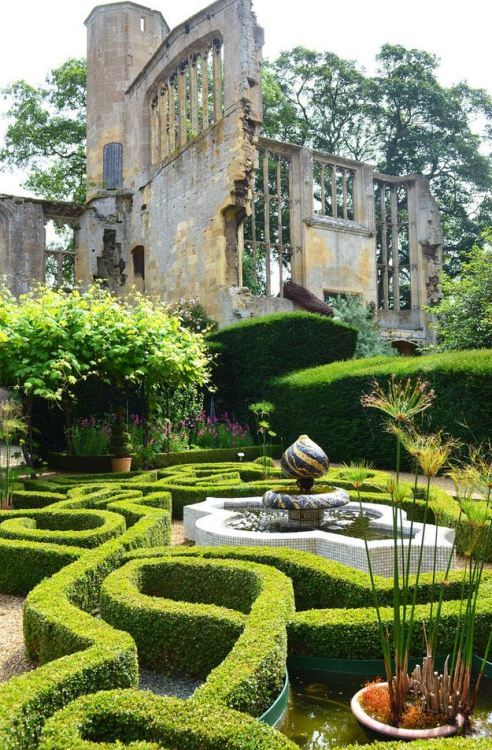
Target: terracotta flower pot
{"x": 120, "y": 465}
{"x": 387, "y": 731}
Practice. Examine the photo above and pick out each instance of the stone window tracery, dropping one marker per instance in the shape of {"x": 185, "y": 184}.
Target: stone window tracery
{"x": 333, "y": 189}
{"x": 267, "y": 250}
{"x": 188, "y": 101}
{"x": 392, "y": 246}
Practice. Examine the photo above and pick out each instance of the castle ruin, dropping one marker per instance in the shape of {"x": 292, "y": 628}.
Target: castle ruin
{"x": 186, "y": 199}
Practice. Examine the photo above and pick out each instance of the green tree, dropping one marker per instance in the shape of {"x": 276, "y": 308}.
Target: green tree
{"x": 49, "y": 340}
{"x": 429, "y": 129}
{"x": 402, "y": 118}
{"x": 352, "y": 311}
{"x": 464, "y": 316}
{"x": 320, "y": 100}
{"x": 46, "y": 133}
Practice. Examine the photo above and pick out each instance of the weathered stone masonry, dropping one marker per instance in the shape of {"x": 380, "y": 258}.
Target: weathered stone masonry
{"x": 186, "y": 200}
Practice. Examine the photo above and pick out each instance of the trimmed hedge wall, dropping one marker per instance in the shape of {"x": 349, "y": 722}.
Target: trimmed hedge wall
{"x": 102, "y": 464}
{"x": 324, "y": 402}
{"x": 251, "y": 352}
{"x": 129, "y": 716}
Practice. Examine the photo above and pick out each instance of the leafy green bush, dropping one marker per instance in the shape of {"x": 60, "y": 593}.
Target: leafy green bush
{"x": 324, "y": 402}
{"x": 264, "y": 461}
{"x": 464, "y": 315}
{"x": 253, "y": 351}
{"x": 361, "y": 316}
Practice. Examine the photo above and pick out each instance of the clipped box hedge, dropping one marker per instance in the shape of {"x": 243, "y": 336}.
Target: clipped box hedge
{"x": 193, "y": 483}
{"x": 251, "y": 352}
{"x": 220, "y": 619}
{"x": 73, "y": 528}
{"x": 102, "y": 464}
{"x": 35, "y": 499}
{"x": 324, "y": 402}
{"x": 133, "y": 716}
{"x": 159, "y": 592}
{"x": 320, "y": 628}
{"x": 58, "y": 623}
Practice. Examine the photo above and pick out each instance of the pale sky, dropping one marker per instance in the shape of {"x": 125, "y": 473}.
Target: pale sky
{"x": 38, "y": 35}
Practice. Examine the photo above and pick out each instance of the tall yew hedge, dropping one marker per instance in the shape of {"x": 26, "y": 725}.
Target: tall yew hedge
{"x": 324, "y": 402}
{"x": 252, "y": 352}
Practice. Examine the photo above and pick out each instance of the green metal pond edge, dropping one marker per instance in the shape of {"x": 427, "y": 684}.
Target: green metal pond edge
{"x": 363, "y": 667}
{"x": 276, "y": 712}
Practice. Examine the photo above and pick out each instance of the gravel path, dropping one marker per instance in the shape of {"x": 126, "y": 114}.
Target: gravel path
{"x": 175, "y": 687}
{"x": 12, "y": 657}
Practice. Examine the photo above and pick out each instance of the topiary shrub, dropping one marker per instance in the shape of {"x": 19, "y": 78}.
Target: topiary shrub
{"x": 253, "y": 351}
{"x": 121, "y": 446}
{"x": 324, "y": 402}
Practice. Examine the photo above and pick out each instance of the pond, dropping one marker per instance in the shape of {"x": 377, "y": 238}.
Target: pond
{"x": 347, "y": 522}
{"x": 319, "y": 715}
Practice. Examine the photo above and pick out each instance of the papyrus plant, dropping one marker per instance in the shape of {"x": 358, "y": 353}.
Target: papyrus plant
{"x": 451, "y": 692}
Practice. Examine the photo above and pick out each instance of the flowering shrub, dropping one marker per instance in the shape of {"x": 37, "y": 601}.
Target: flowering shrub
{"x": 163, "y": 436}
{"x": 214, "y": 432}
{"x": 89, "y": 437}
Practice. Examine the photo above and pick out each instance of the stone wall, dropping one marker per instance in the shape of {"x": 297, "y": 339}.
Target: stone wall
{"x": 22, "y": 243}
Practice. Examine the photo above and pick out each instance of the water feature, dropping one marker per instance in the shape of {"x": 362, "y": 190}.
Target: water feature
{"x": 319, "y": 716}
{"x": 321, "y": 520}
{"x": 344, "y": 521}
{"x": 305, "y": 461}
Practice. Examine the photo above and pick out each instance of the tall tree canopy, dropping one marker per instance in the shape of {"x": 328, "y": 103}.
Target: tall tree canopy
{"x": 46, "y": 133}
{"x": 402, "y": 119}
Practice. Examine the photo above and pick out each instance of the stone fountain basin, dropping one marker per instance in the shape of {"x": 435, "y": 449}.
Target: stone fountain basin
{"x": 206, "y": 524}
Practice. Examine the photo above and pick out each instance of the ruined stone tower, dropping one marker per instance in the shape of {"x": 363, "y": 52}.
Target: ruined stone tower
{"x": 186, "y": 200}
{"x": 121, "y": 39}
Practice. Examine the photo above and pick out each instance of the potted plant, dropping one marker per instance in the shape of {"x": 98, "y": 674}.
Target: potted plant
{"x": 424, "y": 702}
{"x": 121, "y": 446}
